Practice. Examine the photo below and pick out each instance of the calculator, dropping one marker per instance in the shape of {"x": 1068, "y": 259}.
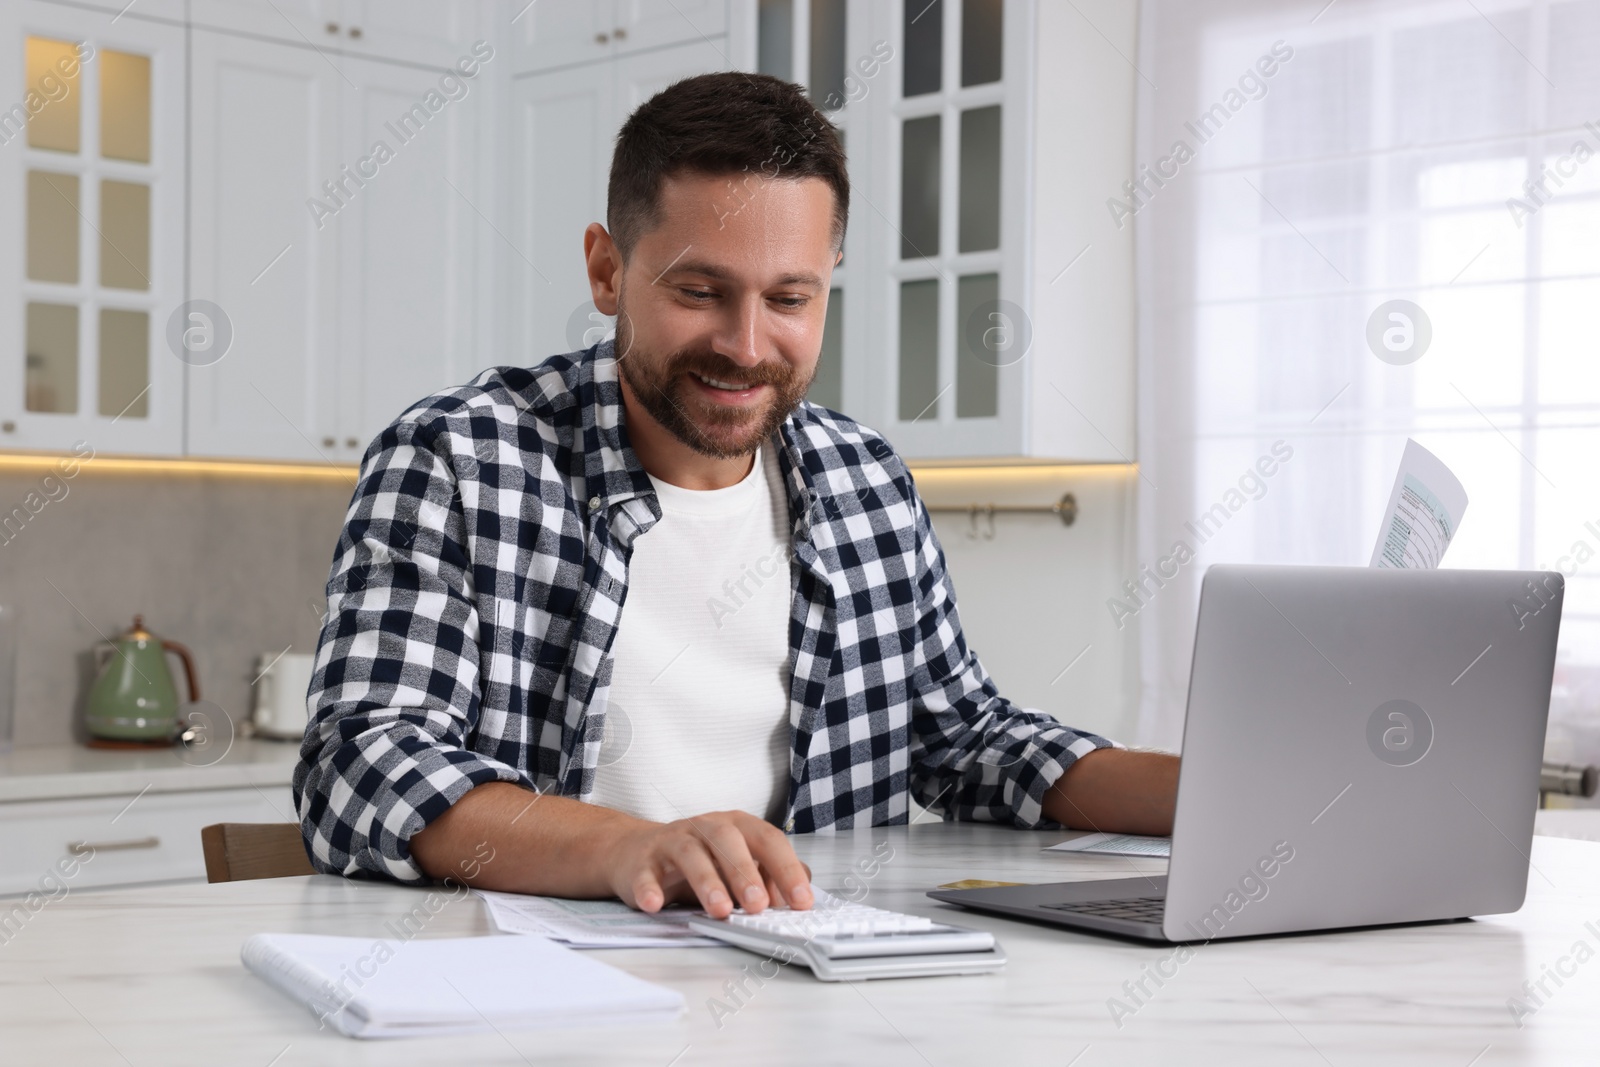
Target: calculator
{"x": 844, "y": 941}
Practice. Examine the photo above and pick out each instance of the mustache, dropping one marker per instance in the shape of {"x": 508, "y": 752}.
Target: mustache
{"x": 705, "y": 362}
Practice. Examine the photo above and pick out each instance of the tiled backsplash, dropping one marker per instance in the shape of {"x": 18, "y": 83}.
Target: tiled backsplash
{"x": 231, "y": 566}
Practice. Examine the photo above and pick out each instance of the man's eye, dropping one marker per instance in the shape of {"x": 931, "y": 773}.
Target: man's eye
{"x": 697, "y": 295}
{"x": 791, "y": 301}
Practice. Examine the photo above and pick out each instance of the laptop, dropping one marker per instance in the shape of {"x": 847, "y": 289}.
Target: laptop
{"x": 1362, "y": 747}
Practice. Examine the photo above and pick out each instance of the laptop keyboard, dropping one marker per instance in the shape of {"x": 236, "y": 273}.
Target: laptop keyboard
{"x": 1136, "y": 909}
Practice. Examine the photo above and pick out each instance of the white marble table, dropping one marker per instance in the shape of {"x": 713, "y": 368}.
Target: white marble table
{"x": 152, "y": 976}
{"x": 1580, "y": 823}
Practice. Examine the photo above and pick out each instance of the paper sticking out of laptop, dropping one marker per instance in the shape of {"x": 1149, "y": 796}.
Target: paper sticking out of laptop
{"x": 371, "y": 987}
{"x": 1117, "y": 845}
{"x": 1424, "y": 512}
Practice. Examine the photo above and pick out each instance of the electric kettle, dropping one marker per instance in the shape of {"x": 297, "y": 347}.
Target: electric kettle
{"x": 133, "y": 703}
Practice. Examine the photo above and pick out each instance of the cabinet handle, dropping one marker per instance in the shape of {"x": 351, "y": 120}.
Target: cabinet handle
{"x": 601, "y": 38}
{"x": 8, "y": 426}
{"x": 351, "y": 442}
{"x": 79, "y": 848}
{"x": 328, "y": 442}
{"x": 355, "y": 32}
{"x": 619, "y": 33}
{"x": 333, "y": 27}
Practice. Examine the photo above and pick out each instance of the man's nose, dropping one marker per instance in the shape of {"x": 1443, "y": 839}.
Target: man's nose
{"x": 738, "y": 332}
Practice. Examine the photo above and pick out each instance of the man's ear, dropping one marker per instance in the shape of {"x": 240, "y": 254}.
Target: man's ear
{"x": 604, "y": 261}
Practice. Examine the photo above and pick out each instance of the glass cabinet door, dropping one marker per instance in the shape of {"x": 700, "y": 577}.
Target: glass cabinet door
{"x": 94, "y": 185}
{"x": 821, "y": 45}
{"x": 950, "y": 265}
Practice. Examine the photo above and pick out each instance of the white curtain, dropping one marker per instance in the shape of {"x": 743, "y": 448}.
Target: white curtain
{"x": 1309, "y": 164}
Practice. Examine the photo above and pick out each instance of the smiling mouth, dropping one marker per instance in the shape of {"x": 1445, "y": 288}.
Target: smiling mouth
{"x": 717, "y": 383}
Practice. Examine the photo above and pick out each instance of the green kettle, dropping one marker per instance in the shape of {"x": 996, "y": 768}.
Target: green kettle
{"x": 133, "y": 703}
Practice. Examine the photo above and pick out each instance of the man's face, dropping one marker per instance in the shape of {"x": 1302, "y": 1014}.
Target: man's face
{"x": 721, "y": 307}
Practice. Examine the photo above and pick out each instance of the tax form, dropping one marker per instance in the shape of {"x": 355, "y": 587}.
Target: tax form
{"x": 1424, "y": 512}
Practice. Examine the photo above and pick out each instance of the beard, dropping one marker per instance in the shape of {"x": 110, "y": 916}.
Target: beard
{"x": 662, "y": 385}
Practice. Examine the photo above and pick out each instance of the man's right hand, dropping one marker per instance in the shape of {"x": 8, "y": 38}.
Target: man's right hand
{"x": 501, "y": 836}
{"x": 723, "y": 860}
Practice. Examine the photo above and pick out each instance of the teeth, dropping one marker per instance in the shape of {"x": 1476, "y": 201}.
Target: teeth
{"x": 716, "y": 384}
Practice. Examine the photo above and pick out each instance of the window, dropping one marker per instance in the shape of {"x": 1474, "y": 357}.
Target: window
{"x": 1403, "y": 151}
{"x": 87, "y": 251}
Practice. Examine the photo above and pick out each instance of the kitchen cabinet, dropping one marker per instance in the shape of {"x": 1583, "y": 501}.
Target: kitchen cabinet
{"x": 123, "y": 818}
{"x": 93, "y": 190}
{"x": 257, "y": 253}
{"x": 318, "y": 304}
{"x": 1007, "y": 324}
{"x": 157, "y": 840}
{"x": 554, "y": 34}
{"x": 987, "y": 301}
{"x": 417, "y": 31}
{"x": 564, "y": 126}
{"x": 407, "y": 245}
{"x": 463, "y": 248}
{"x": 341, "y": 246}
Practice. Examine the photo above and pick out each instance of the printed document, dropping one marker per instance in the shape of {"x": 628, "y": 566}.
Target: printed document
{"x": 1424, "y": 513}
{"x": 591, "y": 923}
{"x": 1117, "y": 845}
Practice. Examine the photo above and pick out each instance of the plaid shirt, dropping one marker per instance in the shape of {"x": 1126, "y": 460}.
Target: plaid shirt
{"x": 477, "y": 587}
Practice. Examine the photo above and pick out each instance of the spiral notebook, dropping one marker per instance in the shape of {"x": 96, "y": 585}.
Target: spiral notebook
{"x": 366, "y": 987}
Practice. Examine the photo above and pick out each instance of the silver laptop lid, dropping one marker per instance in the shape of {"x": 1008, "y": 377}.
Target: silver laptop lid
{"x": 1362, "y": 746}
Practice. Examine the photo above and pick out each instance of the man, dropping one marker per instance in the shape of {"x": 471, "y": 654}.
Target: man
{"x": 662, "y": 536}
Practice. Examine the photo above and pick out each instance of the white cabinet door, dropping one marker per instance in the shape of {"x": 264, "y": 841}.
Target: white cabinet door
{"x": 562, "y": 129}
{"x": 92, "y": 194}
{"x": 421, "y": 31}
{"x": 299, "y": 22}
{"x": 561, "y": 33}
{"x": 418, "y": 31}
{"x": 407, "y": 245}
{"x": 641, "y": 24}
{"x": 558, "y": 34}
{"x": 264, "y": 125}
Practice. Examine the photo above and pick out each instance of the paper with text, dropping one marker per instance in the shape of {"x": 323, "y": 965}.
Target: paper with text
{"x": 591, "y": 923}
{"x": 1424, "y": 513}
{"x": 1117, "y": 845}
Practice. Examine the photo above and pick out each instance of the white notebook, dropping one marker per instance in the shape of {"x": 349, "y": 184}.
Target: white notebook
{"x": 367, "y": 987}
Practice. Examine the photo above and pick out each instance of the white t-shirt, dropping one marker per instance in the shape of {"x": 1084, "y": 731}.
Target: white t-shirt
{"x": 698, "y": 718}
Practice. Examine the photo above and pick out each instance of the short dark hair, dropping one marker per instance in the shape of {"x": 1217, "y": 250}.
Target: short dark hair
{"x": 725, "y": 123}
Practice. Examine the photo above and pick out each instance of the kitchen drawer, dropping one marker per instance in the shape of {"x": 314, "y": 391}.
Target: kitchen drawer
{"x": 153, "y": 838}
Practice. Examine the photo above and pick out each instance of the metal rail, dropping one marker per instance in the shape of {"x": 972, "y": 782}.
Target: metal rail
{"x": 1065, "y": 509}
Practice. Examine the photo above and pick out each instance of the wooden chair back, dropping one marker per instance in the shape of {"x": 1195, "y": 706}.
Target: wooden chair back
{"x": 236, "y": 851}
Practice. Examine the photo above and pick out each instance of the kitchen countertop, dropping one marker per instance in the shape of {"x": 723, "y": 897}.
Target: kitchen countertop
{"x": 50, "y": 772}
